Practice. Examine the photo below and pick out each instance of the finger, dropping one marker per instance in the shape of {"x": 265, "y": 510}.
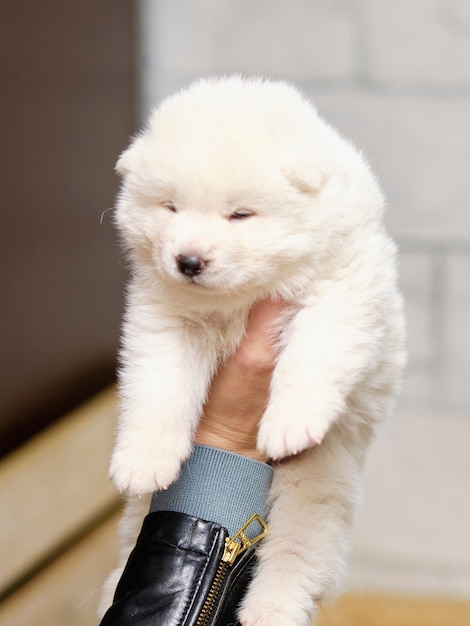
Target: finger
{"x": 258, "y": 346}
{"x": 263, "y": 314}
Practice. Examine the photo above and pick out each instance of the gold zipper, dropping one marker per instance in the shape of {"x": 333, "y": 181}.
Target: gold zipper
{"x": 234, "y": 546}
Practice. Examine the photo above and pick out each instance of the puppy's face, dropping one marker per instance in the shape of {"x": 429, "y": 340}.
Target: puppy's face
{"x": 208, "y": 230}
{"x": 223, "y": 193}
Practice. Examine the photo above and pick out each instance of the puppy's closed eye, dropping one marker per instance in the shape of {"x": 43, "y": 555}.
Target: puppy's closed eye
{"x": 168, "y": 205}
{"x": 241, "y": 214}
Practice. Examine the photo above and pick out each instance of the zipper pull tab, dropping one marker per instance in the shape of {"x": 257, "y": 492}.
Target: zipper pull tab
{"x": 240, "y": 541}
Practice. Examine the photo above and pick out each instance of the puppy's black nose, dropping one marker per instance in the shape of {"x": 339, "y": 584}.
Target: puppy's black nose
{"x": 190, "y": 265}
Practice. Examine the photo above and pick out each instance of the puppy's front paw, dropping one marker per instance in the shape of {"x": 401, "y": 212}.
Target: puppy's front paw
{"x": 144, "y": 469}
{"x": 286, "y": 432}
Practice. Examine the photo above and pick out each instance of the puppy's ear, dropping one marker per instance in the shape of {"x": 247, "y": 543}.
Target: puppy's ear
{"x": 306, "y": 176}
{"x": 127, "y": 161}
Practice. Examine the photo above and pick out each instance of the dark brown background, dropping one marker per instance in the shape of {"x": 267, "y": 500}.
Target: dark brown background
{"x": 66, "y": 113}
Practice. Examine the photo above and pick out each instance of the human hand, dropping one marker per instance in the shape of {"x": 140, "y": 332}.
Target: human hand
{"x": 240, "y": 389}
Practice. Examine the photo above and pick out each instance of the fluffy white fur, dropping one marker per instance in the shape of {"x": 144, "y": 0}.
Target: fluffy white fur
{"x": 246, "y": 176}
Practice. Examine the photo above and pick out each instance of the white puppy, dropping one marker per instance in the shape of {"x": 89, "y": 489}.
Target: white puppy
{"x": 237, "y": 190}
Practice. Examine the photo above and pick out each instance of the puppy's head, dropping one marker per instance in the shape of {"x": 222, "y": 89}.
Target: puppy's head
{"x": 237, "y": 186}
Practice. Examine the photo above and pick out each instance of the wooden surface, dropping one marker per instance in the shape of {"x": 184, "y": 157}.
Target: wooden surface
{"x": 54, "y": 487}
{"x": 391, "y": 610}
{"x": 66, "y": 593}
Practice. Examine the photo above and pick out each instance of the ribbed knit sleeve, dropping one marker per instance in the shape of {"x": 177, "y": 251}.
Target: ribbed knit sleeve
{"x": 218, "y": 486}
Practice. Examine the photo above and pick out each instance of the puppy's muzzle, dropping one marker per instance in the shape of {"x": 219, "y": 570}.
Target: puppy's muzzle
{"x": 190, "y": 265}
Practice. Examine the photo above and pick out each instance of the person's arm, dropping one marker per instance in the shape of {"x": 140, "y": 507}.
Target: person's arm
{"x": 181, "y": 550}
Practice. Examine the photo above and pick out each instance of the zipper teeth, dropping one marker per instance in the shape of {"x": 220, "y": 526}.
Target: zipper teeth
{"x": 212, "y": 596}
{"x": 234, "y": 546}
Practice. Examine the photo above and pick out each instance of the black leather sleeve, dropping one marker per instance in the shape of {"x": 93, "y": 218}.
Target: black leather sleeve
{"x": 170, "y": 572}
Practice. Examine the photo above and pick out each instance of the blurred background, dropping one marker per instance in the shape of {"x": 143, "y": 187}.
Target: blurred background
{"x": 78, "y": 79}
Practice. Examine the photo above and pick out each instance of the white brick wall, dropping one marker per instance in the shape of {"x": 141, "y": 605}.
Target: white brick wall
{"x": 456, "y": 357}
{"x": 415, "y": 43}
{"x": 395, "y": 77}
{"x": 191, "y": 38}
{"x": 420, "y": 149}
{"x": 417, "y": 273}
{"x": 413, "y": 532}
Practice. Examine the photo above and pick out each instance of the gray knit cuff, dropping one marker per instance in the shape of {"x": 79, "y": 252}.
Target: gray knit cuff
{"x": 218, "y": 486}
